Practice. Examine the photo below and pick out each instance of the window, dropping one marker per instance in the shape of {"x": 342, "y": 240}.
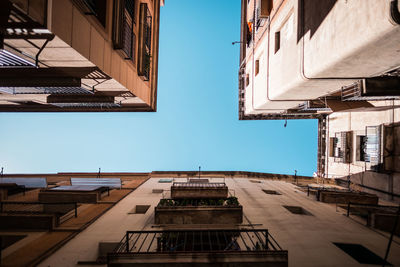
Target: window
{"x": 139, "y": 209}
{"x": 265, "y": 7}
{"x": 271, "y": 192}
{"x": 361, "y": 254}
{"x": 372, "y": 148}
{"x": 35, "y": 9}
{"x": 285, "y": 33}
{"x": 277, "y": 41}
{"x": 144, "y": 48}
{"x": 247, "y": 80}
{"x": 340, "y": 147}
{"x": 297, "y": 210}
{"x": 257, "y": 66}
{"x": 123, "y": 24}
{"x": 333, "y": 146}
{"x": 361, "y": 142}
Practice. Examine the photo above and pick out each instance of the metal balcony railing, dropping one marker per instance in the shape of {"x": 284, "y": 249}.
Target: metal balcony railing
{"x": 193, "y": 241}
{"x": 188, "y": 202}
{"x": 199, "y": 185}
{"x": 20, "y": 207}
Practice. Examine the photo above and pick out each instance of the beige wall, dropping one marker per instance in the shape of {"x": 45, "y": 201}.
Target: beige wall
{"x": 94, "y": 42}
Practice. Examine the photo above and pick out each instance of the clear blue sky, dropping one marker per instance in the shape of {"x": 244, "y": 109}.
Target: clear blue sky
{"x": 196, "y": 122}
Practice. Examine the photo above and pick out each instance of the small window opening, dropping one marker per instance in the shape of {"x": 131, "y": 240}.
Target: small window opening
{"x": 277, "y": 41}
{"x": 361, "y": 254}
{"x": 297, "y": 210}
{"x": 257, "y": 66}
{"x": 140, "y": 209}
{"x": 271, "y": 192}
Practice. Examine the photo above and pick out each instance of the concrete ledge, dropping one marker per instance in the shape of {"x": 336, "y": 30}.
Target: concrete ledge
{"x": 346, "y": 197}
{"x": 62, "y": 197}
{"x": 199, "y": 215}
{"x": 199, "y": 192}
{"x": 29, "y": 222}
{"x": 384, "y": 222}
{"x": 205, "y": 259}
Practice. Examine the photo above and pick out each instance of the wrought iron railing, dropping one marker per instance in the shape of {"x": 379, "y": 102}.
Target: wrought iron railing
{"x": 20, "y": 207}
{"x": 193, "y": 241}
{"x": 188, "y": 202}
{"x": 199, "y": 185}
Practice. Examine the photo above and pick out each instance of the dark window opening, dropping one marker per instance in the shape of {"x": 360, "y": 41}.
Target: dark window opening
{"x": 98, "y": 9}
{"x": 271, "y": 192}
{"x": 277, "y": 41}
{"x": 297, "y": 210}
{"x": 333, "y": 147}
{"x": 141, "y": 209}
{"x": 361, "y": 148}
{"x": 144, "y": 54}
{"x": 361, "y": 254}
{"x": 123, "y": 23}
{"x": 8, "y": 240}
{"x": 257, "y": 66}
{"x": 35, "y": 9}
{"x": 130, "y": 8}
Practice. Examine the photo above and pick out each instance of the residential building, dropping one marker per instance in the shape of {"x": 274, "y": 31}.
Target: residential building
{"x": 334, "y": 61}
{"x": 79, "y": 55}
{"x": 121, "y": 227}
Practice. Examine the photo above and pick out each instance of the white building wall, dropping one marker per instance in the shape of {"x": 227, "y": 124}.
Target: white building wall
{"x": 356, "y": 39}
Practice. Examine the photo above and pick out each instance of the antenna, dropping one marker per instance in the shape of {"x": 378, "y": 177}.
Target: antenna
{"x": 98, "y": 174}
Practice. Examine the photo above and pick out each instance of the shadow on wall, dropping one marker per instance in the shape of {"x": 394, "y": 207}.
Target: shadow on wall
{"x": 311, "y": 14}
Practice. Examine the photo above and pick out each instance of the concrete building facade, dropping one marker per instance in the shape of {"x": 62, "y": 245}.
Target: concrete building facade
{"x": 79, "y": 55}
{"x": 336, "y": 61}
{"x": 310, "y": 232}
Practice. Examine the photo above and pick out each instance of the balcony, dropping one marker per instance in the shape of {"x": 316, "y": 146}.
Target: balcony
{"x": 199, "y": 190}
{"x": 236, "y": 247}
{"x": 199, "y": 211}
{"x": 376, "y": 88}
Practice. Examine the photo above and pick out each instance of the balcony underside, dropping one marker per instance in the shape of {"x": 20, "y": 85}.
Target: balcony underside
{"x": 245, "y": 259}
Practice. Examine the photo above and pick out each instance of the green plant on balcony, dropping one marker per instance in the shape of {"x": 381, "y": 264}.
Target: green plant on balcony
{"x": 231, "y": 201}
